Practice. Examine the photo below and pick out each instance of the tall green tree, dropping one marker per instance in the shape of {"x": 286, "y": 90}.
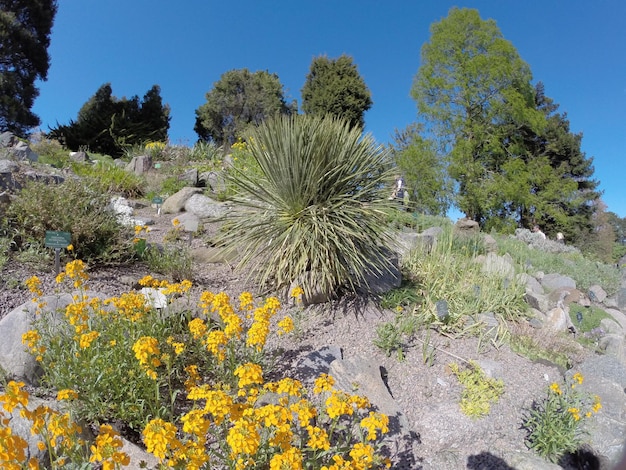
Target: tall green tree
{"x": 570, "y": 207}
{"x": 238, "y": 100}
{"x": 471, "y": 83}
{"x": 25, "y": 27}
{"x": 108, "y": 125}
{"x": 335, "y": 87}
{"x": 424, "y": 171}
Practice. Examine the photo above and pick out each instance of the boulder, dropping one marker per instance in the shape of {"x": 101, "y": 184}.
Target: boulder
{"x": 605, "y": 376}
{"x": 466, "y": 225}
{"x": 620, "y": 298}
{"x": 21, "y": 151}
{"x": 80, "y": 157}
{"x": 597, "y": 293}
{"x": 140, "y": 164}
{"x": 190, "y": 177}
{"x": 15, "y": 360}
{"x": 176, "y": 202}
{"x": 556, "y": 281}
{"x": 205, "y": 207}
{"x": 499, "y": 266}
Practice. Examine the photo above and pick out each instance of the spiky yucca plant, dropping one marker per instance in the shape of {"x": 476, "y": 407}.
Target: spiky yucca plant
{"x": 312, "y": 211}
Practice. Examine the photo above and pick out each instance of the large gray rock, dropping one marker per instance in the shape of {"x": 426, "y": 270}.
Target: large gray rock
{"x": 530, "y": 282}
{"x": 140, "y": 164}
{"x": 190, "y": 177}
{"x": 205, "y": 207}
{"x": 620, "y": 298}
{"x": 176, "y": 202}
{"x": 556, "y": 281}
{"x": 212, "y": 180}
{"x": 605, "y": 376}
{"x": 357, "y": 375}
{"x": 501, "y": 266}
{"x": 381, "y": 279}
{"x": 16, "y": 361}
{"x": 22, "y": 151}
{"x": 536, "y": 300}
{"x": 597, "y": 293}
{"x": 466, "y": 225}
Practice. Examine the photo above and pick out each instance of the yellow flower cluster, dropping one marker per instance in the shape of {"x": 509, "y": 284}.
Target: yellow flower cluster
{"x": 106, "y": 449}
{"x": 147, "y": 352}
{"x": 257, "y": 334}
{"x": 74, "y": 270}
{"x": 60, "y": 436}
{"x": 130, "y": 305}
{"x": 32, "y": 340}
{"x": 34, "y": 285}
{"x": 155, "y": 146}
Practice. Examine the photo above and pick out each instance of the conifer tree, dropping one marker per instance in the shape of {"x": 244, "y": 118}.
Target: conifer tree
{"x": 25, "y": 27}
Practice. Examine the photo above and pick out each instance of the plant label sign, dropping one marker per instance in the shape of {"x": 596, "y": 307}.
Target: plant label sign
{"x": 56, "y": 239}
{"x": 158, "y": 202}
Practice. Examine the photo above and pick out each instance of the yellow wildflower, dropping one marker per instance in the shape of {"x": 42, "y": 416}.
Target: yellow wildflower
{"x": 243, "y": 438}
{"x": 318, "y": 438}
{"x": 323, "y": 383}
{"x": 373, "y": 422}
{"x": 34, "y": 285}
{"x": 555, "y": 388}
{"x": 290, "y": 459}
{"x": 13, "y": 396}
{"x": 249, "y": 374}
{"x": 67, "y": 394}
{"x": 575, "y": 413}
{"x": 578, "y": 378}
{"x": 285, "y": 326}
{"x": 158, "y": 435}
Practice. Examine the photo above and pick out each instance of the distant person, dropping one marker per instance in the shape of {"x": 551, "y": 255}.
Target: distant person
{"x": 398, "y": 189}
{"x": 538, "y": 231}
{"x": 560, "y": 238}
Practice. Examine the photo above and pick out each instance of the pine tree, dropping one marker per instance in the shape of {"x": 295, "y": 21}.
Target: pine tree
{"x": 25, "y": 27}
{"x": 334, "y": 86}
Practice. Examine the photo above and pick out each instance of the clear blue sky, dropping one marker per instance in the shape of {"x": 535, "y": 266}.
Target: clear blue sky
{"x": 577, "y": 48}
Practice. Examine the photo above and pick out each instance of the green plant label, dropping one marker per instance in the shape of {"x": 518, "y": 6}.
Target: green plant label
{"x": 157, "y": 200}
{"x": 55, "y": 239}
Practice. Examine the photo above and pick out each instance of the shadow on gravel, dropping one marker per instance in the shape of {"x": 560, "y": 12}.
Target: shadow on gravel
{"x": 486, "y": 461}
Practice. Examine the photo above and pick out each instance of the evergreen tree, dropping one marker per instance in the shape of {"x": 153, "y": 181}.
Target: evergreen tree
{"x": 470, "y": 84}
{"x": 108, "y": 125}
{"x": 25, "y": 27}
{"x": 334, "y": 86}
{"x": 423, "y": 170}
{"x": 239, "y": 99}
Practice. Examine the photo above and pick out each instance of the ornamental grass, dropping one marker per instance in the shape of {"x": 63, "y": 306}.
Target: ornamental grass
{"x": 310, "y": 205}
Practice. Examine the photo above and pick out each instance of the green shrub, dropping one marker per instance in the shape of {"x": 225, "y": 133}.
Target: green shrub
{"x": 479, "y": 390}
{"x": 555, "y": 425}
{"x": 75, "y": 206}
{"x": 51, "y": 152}
{"x": 111, "y": 178}
{"x": 172, "y": 261}
{"x": 313, "y": 211}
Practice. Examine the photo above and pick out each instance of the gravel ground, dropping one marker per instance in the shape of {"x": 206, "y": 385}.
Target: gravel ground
{"x": 429, "y": 395}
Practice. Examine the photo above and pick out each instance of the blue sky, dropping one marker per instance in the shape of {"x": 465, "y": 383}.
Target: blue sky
{"x": 577, "y": 48}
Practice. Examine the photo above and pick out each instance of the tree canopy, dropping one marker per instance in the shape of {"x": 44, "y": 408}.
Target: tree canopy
{"x": 108, "y": 125}
{"x": 513, "y": 158}
{"x": 25, "y": 27}
{"x": 240, "y": 99}
{"x": 335, "y": 87}
{"x": 424, "y": 171}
